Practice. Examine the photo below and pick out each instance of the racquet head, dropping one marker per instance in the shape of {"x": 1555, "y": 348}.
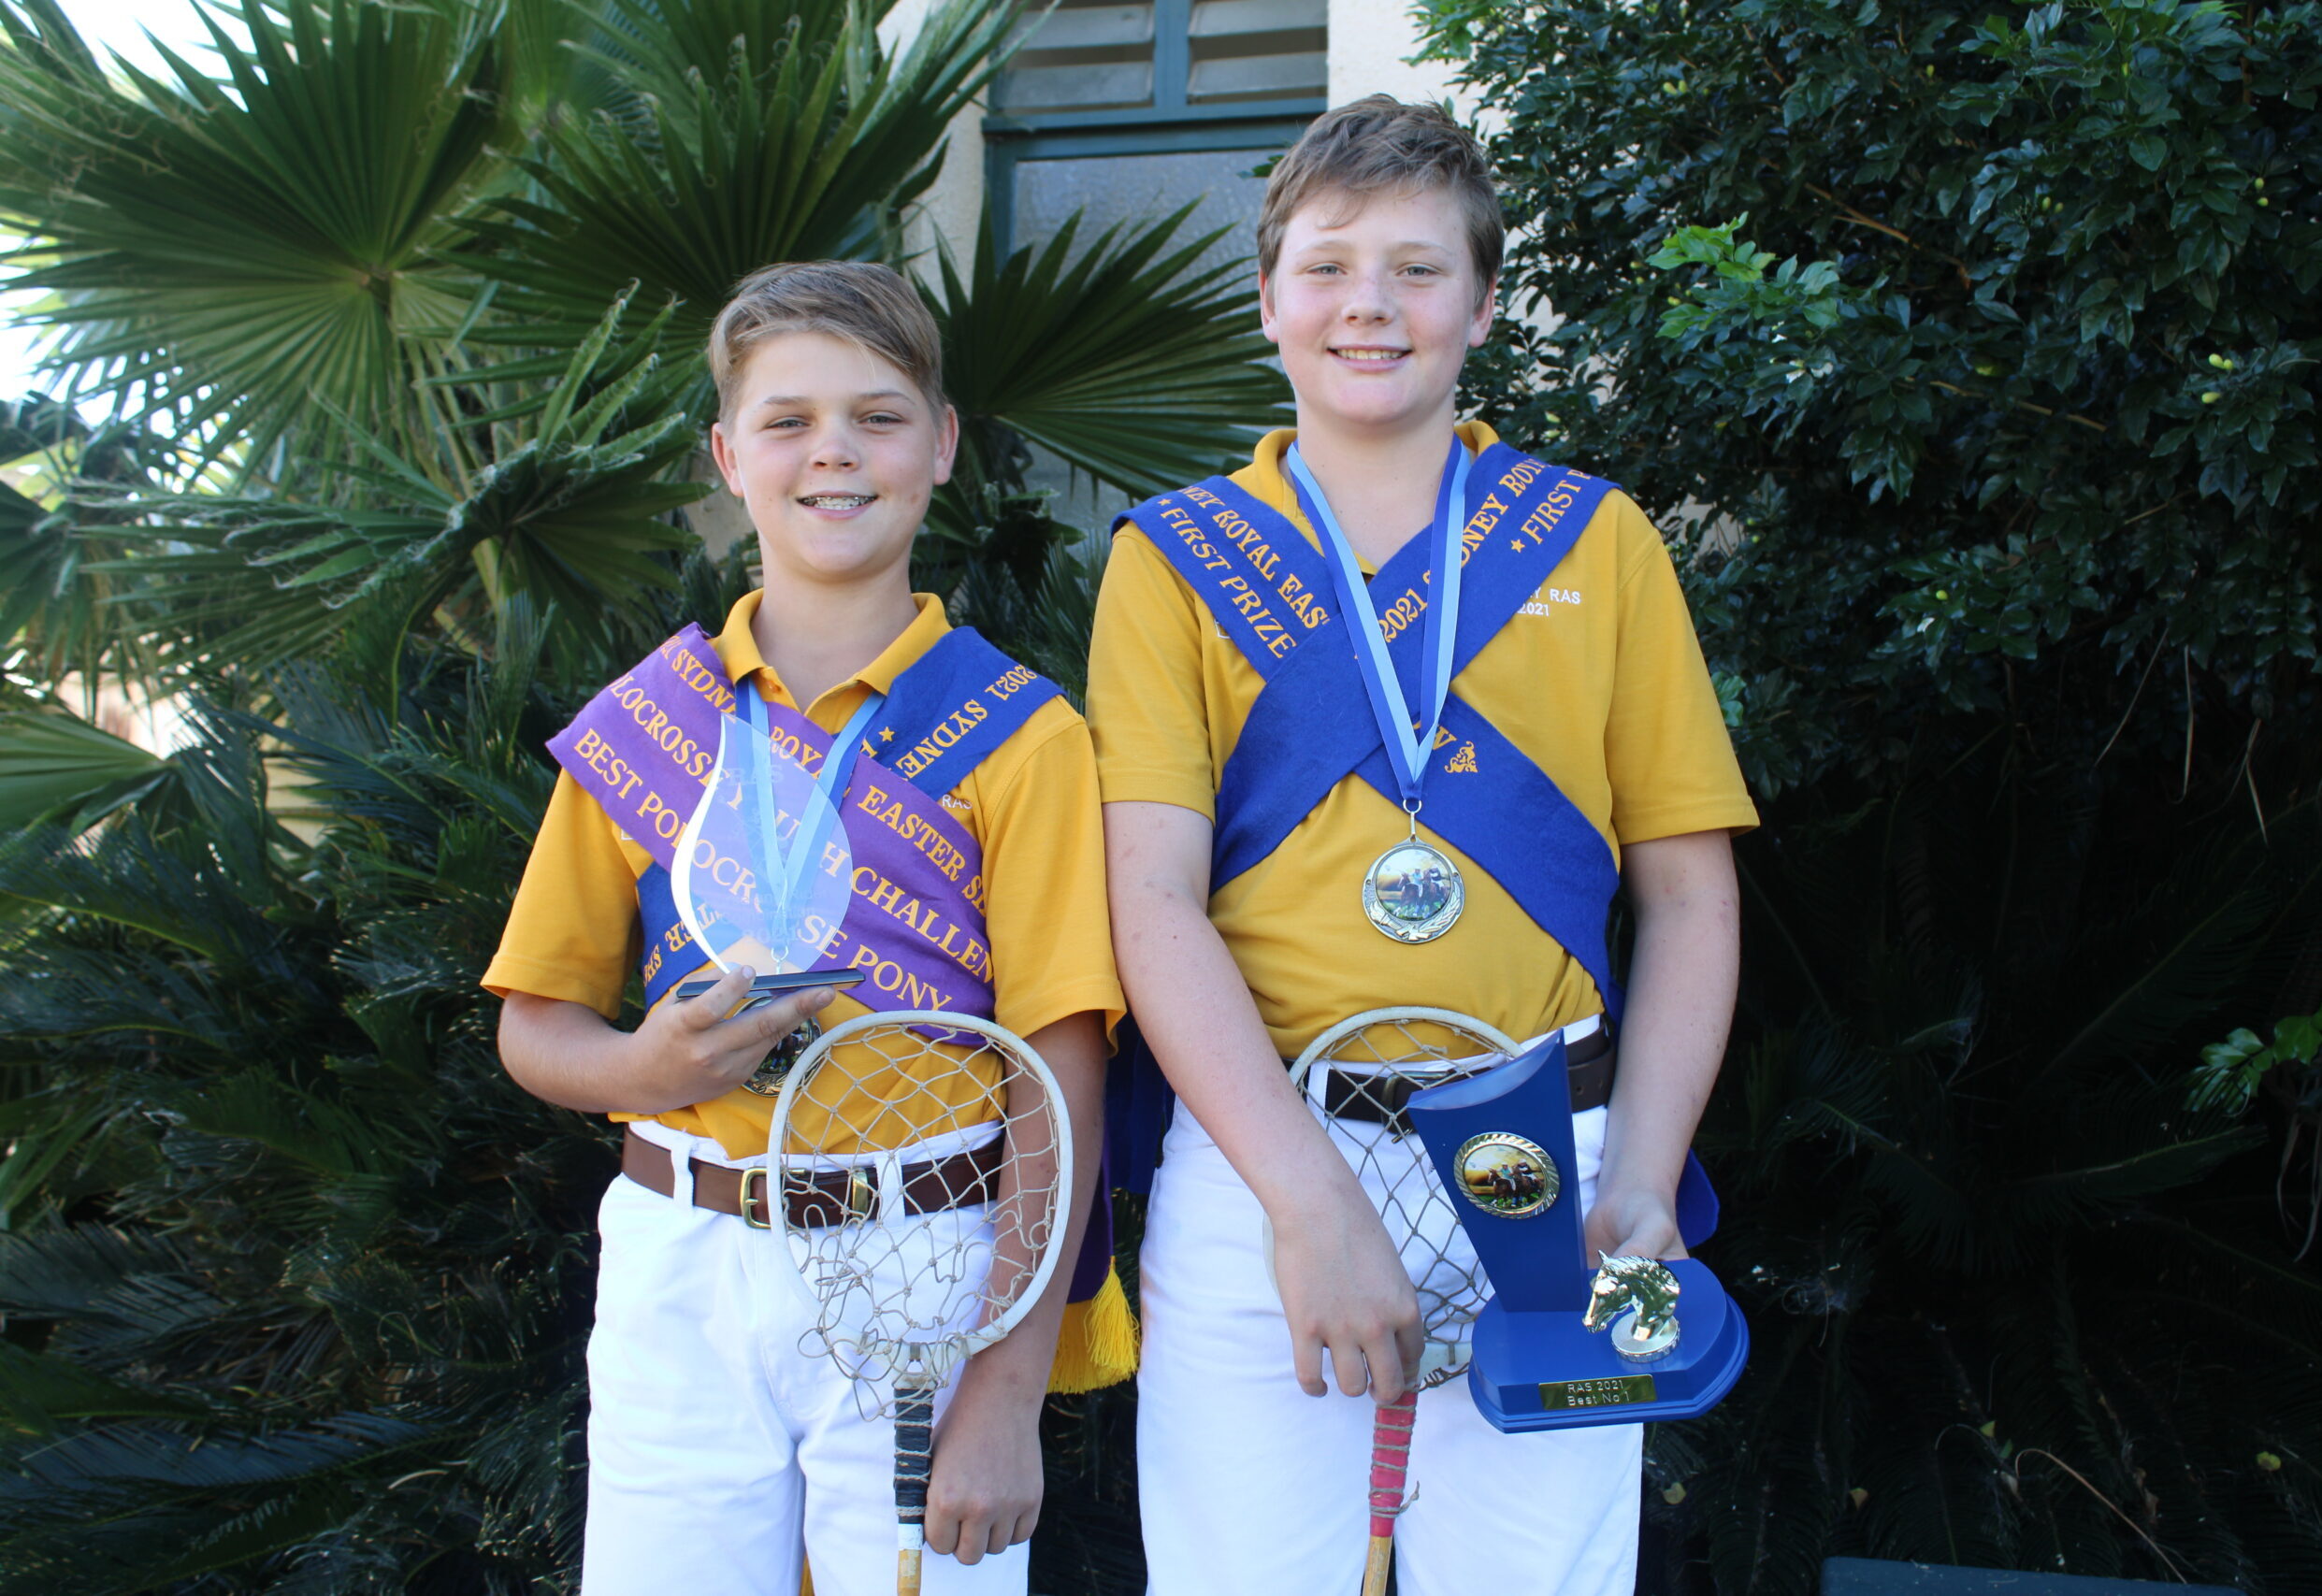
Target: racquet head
{"x": 919, "y": 1187}
{"x": 1360, "y": 1072}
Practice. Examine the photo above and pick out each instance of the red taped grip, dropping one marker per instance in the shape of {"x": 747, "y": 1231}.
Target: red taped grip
{"x": 1391, "y": 1459}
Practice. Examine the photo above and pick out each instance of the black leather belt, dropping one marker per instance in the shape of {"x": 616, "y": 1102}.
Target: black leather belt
{"x": 1376, "y": 1099}
{"x": 826, "y": 1197}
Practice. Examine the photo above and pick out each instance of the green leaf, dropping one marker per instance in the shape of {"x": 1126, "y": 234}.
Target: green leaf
{"x": 51, "y": 763}
{"x": 1119, "y": 357}
{"x": 795, "y": 142}
{"x": 236, "y": 252}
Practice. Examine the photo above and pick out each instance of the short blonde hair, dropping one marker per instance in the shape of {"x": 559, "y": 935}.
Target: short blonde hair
{"x": 860, "y": 301}
{"x": 1378, "y": 144}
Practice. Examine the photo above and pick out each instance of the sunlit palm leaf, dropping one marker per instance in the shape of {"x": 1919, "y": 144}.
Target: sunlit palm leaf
{"x": 1134, "y": 368}
{"x": 53, "y": 607}
{"x": 236, "y": 250}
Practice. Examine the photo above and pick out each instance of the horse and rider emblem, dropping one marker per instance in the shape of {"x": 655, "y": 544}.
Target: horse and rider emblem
{"x": 1504, "y": 1175}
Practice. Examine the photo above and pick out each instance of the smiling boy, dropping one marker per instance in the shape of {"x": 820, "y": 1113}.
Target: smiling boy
{"x": 718, "y": 1448}
{"x": 1578, "y": 747}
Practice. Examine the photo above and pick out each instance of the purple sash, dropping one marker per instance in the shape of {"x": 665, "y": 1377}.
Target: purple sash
{"x": 643, "y": 747}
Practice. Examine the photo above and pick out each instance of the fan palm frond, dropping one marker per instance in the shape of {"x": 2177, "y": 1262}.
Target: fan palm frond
{"x": 1122, "y": 358}
{"x": 568, "y": 506}
{"x": 53, "y": 762}
{"x": 802, "y": 138}
{"x": 248, "y": 253}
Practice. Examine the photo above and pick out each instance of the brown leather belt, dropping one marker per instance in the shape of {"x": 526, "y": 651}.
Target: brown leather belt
{"x": 811, "y": 1201}
{"x": 1588, "y": 1071}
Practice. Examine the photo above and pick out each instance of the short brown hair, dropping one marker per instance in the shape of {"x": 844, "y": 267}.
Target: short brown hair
{"x": 1378, "y": 144}
{"x": 862, "y": 302}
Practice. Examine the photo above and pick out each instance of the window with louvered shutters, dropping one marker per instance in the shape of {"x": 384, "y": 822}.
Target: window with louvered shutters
{"x": 1163, "y": 56}
{"x": 1122, "y": 113}
{"x": 1127, "y": 111}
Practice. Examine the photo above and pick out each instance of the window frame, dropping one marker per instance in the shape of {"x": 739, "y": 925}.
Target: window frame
{"x": 1171, "y": 125}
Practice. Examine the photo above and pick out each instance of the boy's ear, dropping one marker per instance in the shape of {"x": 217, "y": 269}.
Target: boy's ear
{"x": 1265, "y": 307}
{"x": 721, "y": 455}
{"x": 1479, "y": 325}
{"x": 946, "y": 444}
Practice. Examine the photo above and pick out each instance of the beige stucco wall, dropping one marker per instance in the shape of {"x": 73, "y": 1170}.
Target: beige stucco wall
{"x": 952, "y": 206}
{"x": 1369, "y": 42}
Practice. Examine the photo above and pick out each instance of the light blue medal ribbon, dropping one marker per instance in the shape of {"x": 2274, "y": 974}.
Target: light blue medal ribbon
{"x": 1408, "y": 740}
{"x": 792, "y": 865}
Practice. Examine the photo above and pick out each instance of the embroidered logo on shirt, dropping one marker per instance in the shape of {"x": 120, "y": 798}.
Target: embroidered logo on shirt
{"x": 1462, "y": 763}
{"x": 1540, "y": 603}
{"x": 958, "y": 805}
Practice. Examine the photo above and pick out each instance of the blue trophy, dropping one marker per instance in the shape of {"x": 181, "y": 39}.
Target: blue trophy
{"x": 1558, "y": 1347}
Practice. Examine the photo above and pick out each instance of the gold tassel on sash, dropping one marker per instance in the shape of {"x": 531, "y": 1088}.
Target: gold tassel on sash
{"x": 1097, "y": 1345}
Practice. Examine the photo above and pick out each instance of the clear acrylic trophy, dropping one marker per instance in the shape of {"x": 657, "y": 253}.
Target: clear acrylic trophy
{"x": 763, "y": 874}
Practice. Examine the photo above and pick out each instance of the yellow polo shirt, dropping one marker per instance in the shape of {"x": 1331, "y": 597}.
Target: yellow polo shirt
{"x": 1599, "y": 679}
{"x": 1031, "y": 805}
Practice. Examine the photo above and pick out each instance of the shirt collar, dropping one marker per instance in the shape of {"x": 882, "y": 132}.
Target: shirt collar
{"x": 1271, "y": 482}
{"x": 737, "y": 648}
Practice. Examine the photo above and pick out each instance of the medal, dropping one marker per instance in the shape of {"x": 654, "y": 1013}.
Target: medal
{"x": 1413, "y": 891}
{"x": 766, "y": 1080}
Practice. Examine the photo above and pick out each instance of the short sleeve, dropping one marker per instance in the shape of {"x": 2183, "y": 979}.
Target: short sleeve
{"x": 1668, "y": 755}
{"x": 572, "y": 933}
{"x": 1044, "y": 871}
{"x": 1148, "y": 711}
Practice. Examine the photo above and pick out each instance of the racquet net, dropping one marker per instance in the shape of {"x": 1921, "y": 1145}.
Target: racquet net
{"x": 923, "y": 1188}
{"x": 1360, "y": 1073}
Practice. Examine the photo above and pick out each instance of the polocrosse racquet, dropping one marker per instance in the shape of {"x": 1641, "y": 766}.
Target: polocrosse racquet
{"x": 1361, "y": 1071}
{"x": 925, "y": 1181}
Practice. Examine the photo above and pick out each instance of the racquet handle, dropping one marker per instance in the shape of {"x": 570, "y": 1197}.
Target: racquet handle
{"x": 914, "y": 1462}
{"x": 1391, "y": 1461}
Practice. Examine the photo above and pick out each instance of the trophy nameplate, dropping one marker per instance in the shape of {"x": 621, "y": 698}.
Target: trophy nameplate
{"x": 1560, "y": 1346}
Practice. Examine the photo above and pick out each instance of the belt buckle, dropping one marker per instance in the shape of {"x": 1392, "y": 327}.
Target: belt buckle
{"x": 753, "y": 1204}
{"x": 862, "y": 1194}
{"x": 1406, "y": 1082}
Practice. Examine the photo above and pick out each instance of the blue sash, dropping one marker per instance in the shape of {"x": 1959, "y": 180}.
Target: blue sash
{"x": 943, "y": 716}
{"x": 1311, "y": 726}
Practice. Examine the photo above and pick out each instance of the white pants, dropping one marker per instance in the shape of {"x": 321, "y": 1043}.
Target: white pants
{"x": 720, "y": 1444}
{"x": 1251, "y": 1487}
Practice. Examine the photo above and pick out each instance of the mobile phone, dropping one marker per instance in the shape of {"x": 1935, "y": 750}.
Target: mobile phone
{"x": 765, "y": 988}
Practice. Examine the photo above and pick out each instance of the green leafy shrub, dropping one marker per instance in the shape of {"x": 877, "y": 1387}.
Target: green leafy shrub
{"x": 1986, "y": 337}
{"x": 296, "y": 1279}
{"x": 1969, "y": 356}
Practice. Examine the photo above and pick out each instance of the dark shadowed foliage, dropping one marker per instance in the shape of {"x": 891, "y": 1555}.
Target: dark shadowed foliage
{"x": 401, "y": 312}
{"x": 1971, "y": 356}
